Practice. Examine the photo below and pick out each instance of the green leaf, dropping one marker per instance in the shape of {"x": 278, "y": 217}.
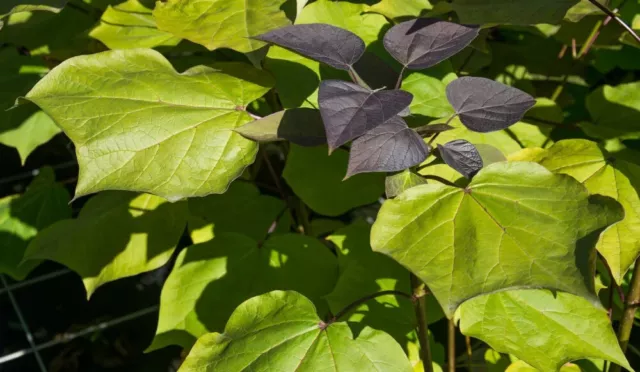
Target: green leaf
{"x": 615, "y": 111}
{"x": 161, "y": 132}
{"x": 364, "y": 272}
{"x": 130, "y": 25}
{"x": 395, "y": 9}
{"x": 281, "y": 331}
{"x": 317, "y": 178}
{"x": 297, "y": 77}
{"x": 535, "y": 128}
{"x": 516, "y": 225}
{"x": 302, "y": 126}
{"x": 544, "y": 329}
{"x": 521, "y": 366}
{"x": 8, "y": 7}
{"x": 242, "y": 209}
{"x": 517, "y": 12}
{"x": 235, "y": 268}
{"x": 221, "y": 23}
{"x": 396, "y": 184}
{"x": 605, "y": 174}
{"x": 583, "y": 9}
{"x": 429, "y": 90}
{"x": 36, "y": 129}
{"x": 22, "y": 217}
{"x": 116, "y": 235}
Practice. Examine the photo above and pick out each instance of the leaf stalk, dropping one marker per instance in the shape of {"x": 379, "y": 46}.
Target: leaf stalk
{"x": 631, "y": 305}
{"x": 421, "y": 315}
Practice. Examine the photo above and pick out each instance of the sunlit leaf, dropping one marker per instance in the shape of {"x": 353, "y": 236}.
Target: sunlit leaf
{"x": 162, "y": 132}
{"x": 516, "y": 225}
{"x": 8, "y": 7}
{"x": 396, "y": 184}
{"x": 461, "y": 156}
{"x": 302, "y": 126}
{"x": 281, "y": 331}
{"x": 429, "y": 90}
{"x": 615, "y": 111}
{"x": 394, "y": 9}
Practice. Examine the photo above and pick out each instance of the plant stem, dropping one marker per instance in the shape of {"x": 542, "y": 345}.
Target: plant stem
{"x": 303, "y": 217}
{"x": 421, "y": 315}
{"x": 274, "y": 175}
{"x": 631, "y": 305}
{"x": 615, "y": 16}
{"x": 467, "y": 340}
{"x": 399, "y": 82}
{"x": 451, "y": 347}
{"x": 362, "y": 300}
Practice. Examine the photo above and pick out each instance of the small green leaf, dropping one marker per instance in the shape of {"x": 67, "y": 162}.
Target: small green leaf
{"x": 518, "y": 12}
{"x": 116, "y": 235}
{"x": 281, "y": 331}
{"x": 396, "y": 184}
{"x": 165, "y": 133}
{"x": 22, "y": 217}
{"x": 544, "y": 329}
{"x": 130, "y": 25}
{"x": 234, "y": 268}
{"x": 242, "y": 209}
{"x": 8, "y": 7}
{"x": 429, "y": 90}
{"x": 35, "y": 130}
{"x": 516, "y": 225}
{"x": 317, "y": 178}
{"x": 302, "y": 126}
{"x": 615, "y": 111}
{"x": 221, "y": 23}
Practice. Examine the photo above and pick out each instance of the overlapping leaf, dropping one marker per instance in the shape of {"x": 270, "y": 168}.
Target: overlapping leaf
{"x": 395, "y": 9}
{"x": 221, "y": 23}
{"x": 428, "y": 88}
{"x": 196, "y": 298}
{"x": 424, "y": 42}
{"x": 390, "y": 147}
{"x": 302, "y": 126}
{"x": 349, "y": 110}
{"x": 396, "y": 184}
{"x": 516, "y": 225}
{"x": 23, "y": 216}
{"x": 484, "y": 105}
{"x": 139, "y": 125}
{"x": 117, "y": 234}
{"x": 615, "y": 111}
{"x": 544, "y": 329}
{"x": 461, "y": 156}
{"x": 281, "y": 331}
{"x": 519, "y": 12}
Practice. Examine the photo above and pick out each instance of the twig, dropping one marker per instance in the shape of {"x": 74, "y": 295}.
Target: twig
{"x": 618, "y": 19}
{"x": 626, "y": 322}
{"x": 420, "y": 307}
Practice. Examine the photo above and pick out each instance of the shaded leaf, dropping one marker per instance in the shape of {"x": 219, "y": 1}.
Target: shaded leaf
{"x": 390, "y": 147}
{"x": 484, "y": 105}
{"x": 489, "y": 154}
{"x": 130, "y": 25}
{"x": 424, "y": 42}
{"x": 337, "y": 47}
{"x": 221, "y": 23}
{"x": 431, "y": 129}
{"x": 565, "y": 327}
{"x": 396, "y": 184}
{"x": 190, "y": 303}
{"x": 164, "y": 133}
{"x": 285, "y": 324}
{"x": 466, "y": 242}
{"x": 241, "y": 209}
{"x": 349, "y": 110}
{"x": 317, "y": 179}
{"x": 517, "y": 12}
{"x": 461, "y": 156}
{"x": 22, "y": 217}
{"x": 35, "y": 130}
{"x": 116, "y": 235}
{"x": 302, "y": 126}
{"x": 615, "y": 111}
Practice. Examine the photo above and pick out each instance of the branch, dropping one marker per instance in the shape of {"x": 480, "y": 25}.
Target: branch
{"x": 362, "y": 300}
{"x": 626, "y": 322}
{"x": 615, "y": 16}
{"x": 420, "y": 307}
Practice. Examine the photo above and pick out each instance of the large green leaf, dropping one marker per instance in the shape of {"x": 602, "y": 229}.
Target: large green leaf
{"x": 543, "y": 328}
{"x": 117, "y": 234}
{"x": 297, "y": 77}
{"x": 615, "y": 111}
{"x": 221, "y": 23}
{"x": 516, "y": 225}
{"x": 8, "y": 7}
{"x": 130, "y": 25}
{"x": 210, "y": 279}
{"x": 519, "y": 12}
{"x": 22, "y": 217}
{"x": 280, "y": 331}
{"x": 605, "y": 174}
{"x": 394, "y": 9}
{"x": 139, "y": 125}
{"x": 317, "y": 178}
{"x": 242, "y": 209}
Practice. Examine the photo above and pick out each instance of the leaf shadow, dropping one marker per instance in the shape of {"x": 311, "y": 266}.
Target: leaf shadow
{"x": 299, "y": 87}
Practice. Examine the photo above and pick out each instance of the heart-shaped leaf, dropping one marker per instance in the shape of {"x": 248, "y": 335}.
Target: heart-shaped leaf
{"x": 396, "y": 184}
{"x": 462, "y": 156}
{"x": 190, "y": 303}
{"x": 565, "y": 327}
{"x": 165, "y": 133}
{"x": 390, "y": 147}
{"x": 516, "y": 225}
{"x": 332, "y": 45}
{"x": 280, "y": 331}
{"x": 302, "y": 126}
{"x": 349, "y": 110}
{"x": 425, "y": 42}
{"x": 484, "y": 105}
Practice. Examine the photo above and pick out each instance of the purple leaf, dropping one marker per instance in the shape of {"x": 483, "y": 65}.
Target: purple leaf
{"x": 461, "y": 156}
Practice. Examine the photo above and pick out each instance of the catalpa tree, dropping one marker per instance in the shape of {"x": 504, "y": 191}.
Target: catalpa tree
{"x": 358, "y": 183}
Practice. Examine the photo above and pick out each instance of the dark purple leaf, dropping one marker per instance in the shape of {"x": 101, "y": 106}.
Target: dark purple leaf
{"x": 332, "y": 45}
{"x": 425, "y": 42}
{"x": 461, "y": 156}
{"x": 302, "y": 126}
{"x": 390, "y": 147}
{"x": 484, "y": 105}
{"x": 349, "y": 110}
